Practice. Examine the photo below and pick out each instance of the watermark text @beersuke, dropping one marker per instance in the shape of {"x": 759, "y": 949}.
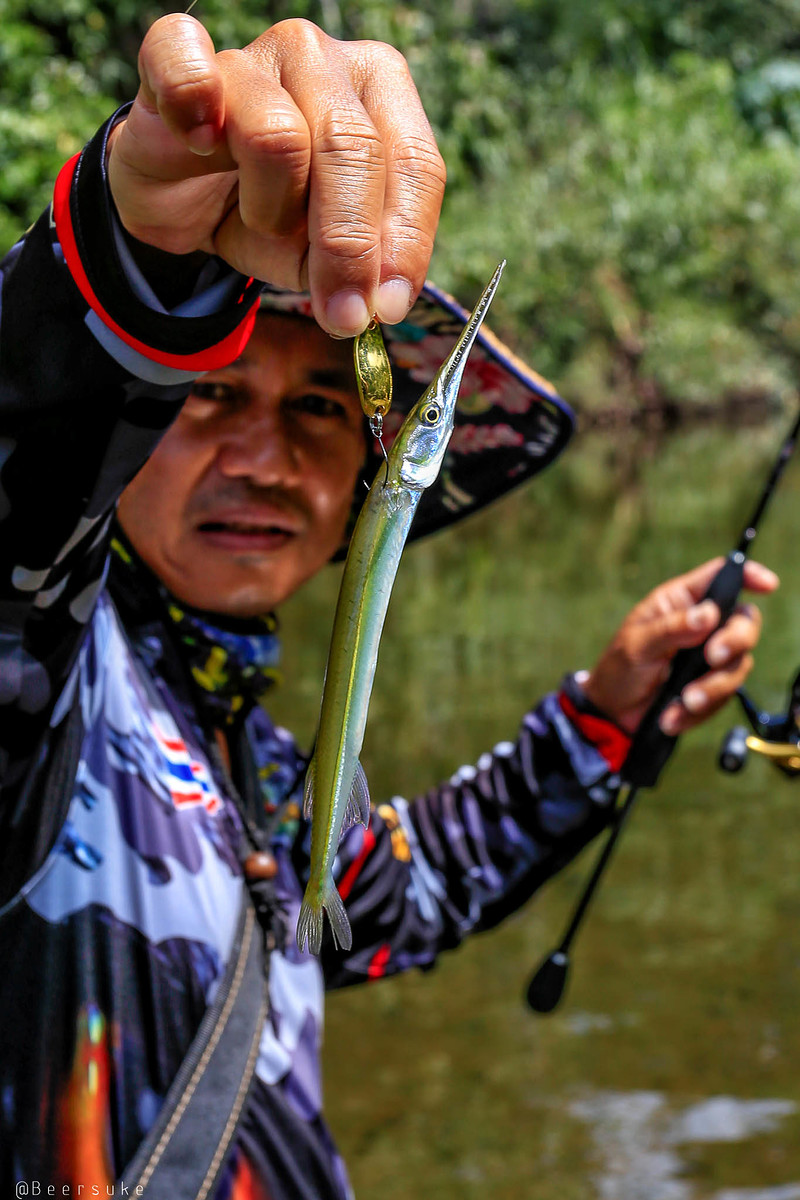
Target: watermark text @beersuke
{"x": 85, "y": 1190}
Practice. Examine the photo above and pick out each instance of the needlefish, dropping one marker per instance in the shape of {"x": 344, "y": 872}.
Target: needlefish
{"x": 336, "y": 794}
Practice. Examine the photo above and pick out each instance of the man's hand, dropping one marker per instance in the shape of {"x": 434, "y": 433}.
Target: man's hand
{"x": 303, "y": 161}
{"x": 637, "y": 661}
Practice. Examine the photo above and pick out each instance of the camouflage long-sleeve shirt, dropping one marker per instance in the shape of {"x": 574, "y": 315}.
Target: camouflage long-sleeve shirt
{"x": 121, "y": 881}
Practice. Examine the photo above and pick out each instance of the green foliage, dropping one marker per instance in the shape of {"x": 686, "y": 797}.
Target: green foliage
{"x": 643, "y": 199}
{"x": 635, "y": 160}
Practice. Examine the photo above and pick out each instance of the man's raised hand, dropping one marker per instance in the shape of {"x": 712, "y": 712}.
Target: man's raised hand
{"x": 304, "y": 161}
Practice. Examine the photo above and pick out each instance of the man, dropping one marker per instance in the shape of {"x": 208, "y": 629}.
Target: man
{"x": 141, "y": 780}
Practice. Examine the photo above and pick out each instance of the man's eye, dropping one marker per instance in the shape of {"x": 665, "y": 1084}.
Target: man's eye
{"x": 319, "y": 406}
{"x": 217, "y": 393}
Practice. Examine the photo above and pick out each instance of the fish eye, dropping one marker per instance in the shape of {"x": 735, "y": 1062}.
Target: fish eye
{"x": 431, "y": 414}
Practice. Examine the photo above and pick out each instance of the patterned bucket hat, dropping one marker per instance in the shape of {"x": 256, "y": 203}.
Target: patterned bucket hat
{"x": 510, "y": 422}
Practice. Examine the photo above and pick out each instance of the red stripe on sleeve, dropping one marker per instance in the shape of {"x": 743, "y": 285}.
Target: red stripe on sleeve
{"x": 604, "y": 735}
{"x": 351, "y": 874}
{"x": 378, "y": 962}
{"x": 210, "y": 359}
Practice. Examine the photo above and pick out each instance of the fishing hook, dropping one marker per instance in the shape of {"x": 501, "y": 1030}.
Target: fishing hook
{"x": 376, "y": 429}
{"x": 651, "y": 748}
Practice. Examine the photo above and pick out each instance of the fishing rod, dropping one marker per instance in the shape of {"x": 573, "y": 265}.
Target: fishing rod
{"x": 651, "y": 747}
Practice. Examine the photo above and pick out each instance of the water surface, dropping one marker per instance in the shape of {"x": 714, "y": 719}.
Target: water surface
{"x": 671, "y": 1072}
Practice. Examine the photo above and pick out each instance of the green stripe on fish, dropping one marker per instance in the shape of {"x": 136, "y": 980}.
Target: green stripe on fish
{"x": 336, "y": 794}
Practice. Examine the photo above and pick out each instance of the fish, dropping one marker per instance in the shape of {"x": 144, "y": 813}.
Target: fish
{"x": 336, "y": 794}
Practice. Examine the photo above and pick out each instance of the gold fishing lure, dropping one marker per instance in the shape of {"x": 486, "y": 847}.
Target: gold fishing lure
{"x": 373, "y": 375}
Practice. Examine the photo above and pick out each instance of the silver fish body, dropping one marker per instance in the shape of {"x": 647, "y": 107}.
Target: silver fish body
{"x": 336, "y": 793}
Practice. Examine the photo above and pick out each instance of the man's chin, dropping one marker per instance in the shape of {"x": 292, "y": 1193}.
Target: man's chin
{"x": 238, "y": 592}
{"x": 240, "y": 583}
{"x": 228, "y": 604}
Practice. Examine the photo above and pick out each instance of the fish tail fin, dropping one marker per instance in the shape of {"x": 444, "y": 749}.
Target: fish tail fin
{"x": 310, "y": 921}
{"x": 309, "y": 926}
{"x": 337, "y": 915}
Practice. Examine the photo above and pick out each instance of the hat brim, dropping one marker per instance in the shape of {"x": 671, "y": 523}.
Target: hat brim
{"x": 510, "y": 422}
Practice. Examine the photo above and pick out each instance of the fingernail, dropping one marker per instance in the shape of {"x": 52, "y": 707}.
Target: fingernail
{"x": 670, "y": 720}
{"x": 394, "y": 301}
{"x": 693, "y": 699}
{"x": 699, "y": 616}
{"x": 717, "y": 654}
{"x": 202, "y": 139}
{"x": 346, "y": 314}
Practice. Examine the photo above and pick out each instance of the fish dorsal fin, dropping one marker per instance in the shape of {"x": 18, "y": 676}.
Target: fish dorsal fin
{"x": 308, "y": 792}
{"x": 357, "y": 811}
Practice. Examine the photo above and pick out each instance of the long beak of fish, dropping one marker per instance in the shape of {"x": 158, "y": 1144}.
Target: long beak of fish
{"x": 448, "y": 378}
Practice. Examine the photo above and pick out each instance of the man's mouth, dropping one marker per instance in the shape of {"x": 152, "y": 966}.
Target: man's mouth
{"x": 243, "y": 535}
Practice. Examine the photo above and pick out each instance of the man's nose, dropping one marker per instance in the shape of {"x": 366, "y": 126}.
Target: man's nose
{"x": 262, "y": 449}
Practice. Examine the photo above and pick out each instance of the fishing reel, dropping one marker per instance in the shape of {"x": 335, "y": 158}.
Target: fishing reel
{"x": 776, "y": 736}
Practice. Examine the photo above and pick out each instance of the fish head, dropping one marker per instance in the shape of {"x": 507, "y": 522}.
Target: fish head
{"x": 423, "y": 438}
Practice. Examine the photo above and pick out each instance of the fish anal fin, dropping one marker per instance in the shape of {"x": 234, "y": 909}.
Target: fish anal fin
{"x": 357, "y": 811}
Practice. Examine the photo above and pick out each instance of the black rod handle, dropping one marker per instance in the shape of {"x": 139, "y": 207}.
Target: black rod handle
{"x": 651, "y": 747}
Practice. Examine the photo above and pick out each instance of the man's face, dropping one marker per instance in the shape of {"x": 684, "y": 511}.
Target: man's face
{"x": 248, "y": 493}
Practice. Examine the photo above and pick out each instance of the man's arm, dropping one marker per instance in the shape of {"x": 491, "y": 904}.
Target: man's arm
{"x": 322, "y": 167}
{"x": 462, "y": 857}
{"x": 79, "y": 410}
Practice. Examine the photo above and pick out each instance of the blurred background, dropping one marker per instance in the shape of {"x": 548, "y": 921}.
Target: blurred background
{"x": 636, "y": 161}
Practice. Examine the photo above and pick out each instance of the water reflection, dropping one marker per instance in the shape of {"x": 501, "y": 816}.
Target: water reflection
{"x": 791, "y": 1192}
{"x": 582, "y": 1023}
{"x": 686, "y": 978}
{"x": 635, "y": 1133}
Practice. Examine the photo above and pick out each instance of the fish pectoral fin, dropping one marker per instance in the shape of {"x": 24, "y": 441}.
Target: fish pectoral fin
{"x": 308, "y": 792}
{"x": 357, "y": 811}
